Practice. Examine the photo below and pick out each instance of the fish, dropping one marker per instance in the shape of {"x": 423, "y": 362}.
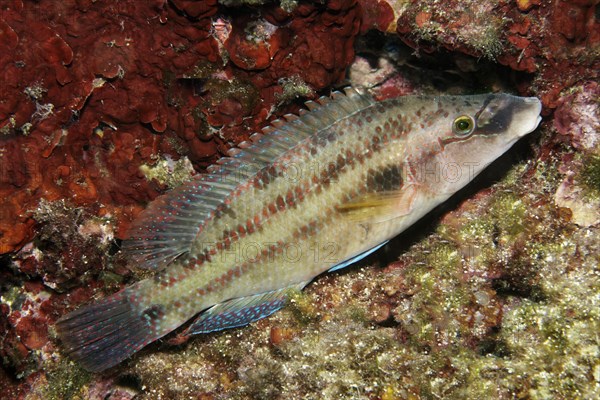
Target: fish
{"x": 313, "y": 192}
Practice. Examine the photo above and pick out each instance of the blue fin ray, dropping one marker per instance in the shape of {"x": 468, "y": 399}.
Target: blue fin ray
{"x": 359, "y": 257}
{"x": 241, "y": 311}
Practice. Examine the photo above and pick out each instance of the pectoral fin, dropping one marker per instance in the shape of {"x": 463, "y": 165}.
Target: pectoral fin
{"x": 380, "y": 206}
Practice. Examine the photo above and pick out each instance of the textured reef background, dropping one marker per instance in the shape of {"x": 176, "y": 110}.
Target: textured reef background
{"x": 106, "y": 105}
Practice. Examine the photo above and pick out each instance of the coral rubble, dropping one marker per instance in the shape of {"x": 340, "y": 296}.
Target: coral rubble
{"x": 105, "y": 105}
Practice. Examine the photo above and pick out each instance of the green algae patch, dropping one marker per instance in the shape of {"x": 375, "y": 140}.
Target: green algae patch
{"x": 508, "y": 211}
{"x": 66, "y": 380}
{"x": 590, "y": 175}
{"x": 292, "y": 88}
{"x": 556, "y": 342}
{"x": 302, "y": 307}
{"x": 476, "y": 25}
{"x": 168, "y": 172}
{"x": 241, "y": 91}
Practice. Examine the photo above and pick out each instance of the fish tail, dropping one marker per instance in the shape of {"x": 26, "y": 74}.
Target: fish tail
{"x": 105, "y": 333}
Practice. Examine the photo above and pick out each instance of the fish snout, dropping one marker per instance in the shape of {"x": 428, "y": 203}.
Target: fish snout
{"x": 527, "y": 115}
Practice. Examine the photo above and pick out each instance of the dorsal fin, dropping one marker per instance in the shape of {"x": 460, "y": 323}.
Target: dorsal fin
{"x": 170, "y": 224}
{"x": 167, "y": 227}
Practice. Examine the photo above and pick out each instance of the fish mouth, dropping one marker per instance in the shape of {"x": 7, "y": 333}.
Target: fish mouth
{"x": 528, "y": 116}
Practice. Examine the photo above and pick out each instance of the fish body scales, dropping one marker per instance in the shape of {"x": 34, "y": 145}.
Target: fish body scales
{"x": 288, "y": 230}
{"x": 313, "y": 194}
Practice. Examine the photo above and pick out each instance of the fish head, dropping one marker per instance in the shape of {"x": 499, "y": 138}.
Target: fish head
{"x": 467, "y": 133}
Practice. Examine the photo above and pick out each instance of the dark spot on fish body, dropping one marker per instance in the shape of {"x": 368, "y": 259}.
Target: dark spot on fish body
{"x": 331, "y": 167}
{"x": 211, "y": 287}
{"x": 299, "y": 192}
{"x": 333, "y": 174}
{"x": 272, "y": 208}
{"x": 224, "y": 209}
{"x": 331, "y": 136}
{"x": 387, "y": 179}
{"x": 385, "y": 139}
{"x": 231, "y": 273}
{"x": 375, "y": 143}
{"x": 280, "y": 203}
{"x": 272, "y": 172}
{"x": 191, "y": 263}
{"x": 341, "y": 162}
{"x": 360, "y": 158}
{"x": 250, "y": 226}
{"x": 349, "y": 157}
{"x": 209, "y": 253}
{"x": 258, "y": 182}
{"x": 313, "y": 228}
{"x": 320, "y": 142}
{"x": 315, "y": 180}
{"x": 153, "y": 313}
{"x": 267, "y": 175}
{"x": 325, "y": 180}
{"x": 392, "y": 177}
{"x": 303, "y": 231}
{"x": 202, "y": 258}
{"x": 371, "y": 179}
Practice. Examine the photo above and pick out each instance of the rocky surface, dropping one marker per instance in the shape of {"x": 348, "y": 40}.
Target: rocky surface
{"x": 103, "y": 106}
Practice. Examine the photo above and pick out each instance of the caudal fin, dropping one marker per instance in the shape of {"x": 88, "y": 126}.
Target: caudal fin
{"x": 105, "y": 333}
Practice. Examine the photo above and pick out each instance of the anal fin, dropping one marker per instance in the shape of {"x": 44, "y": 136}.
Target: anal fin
{"x": 241, "y": 311}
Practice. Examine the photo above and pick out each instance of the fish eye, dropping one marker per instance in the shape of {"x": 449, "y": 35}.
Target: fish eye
{"x": 463, "y": 125}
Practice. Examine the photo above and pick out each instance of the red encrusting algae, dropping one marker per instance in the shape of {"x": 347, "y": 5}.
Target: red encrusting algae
{"x": 99, "y": 89}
